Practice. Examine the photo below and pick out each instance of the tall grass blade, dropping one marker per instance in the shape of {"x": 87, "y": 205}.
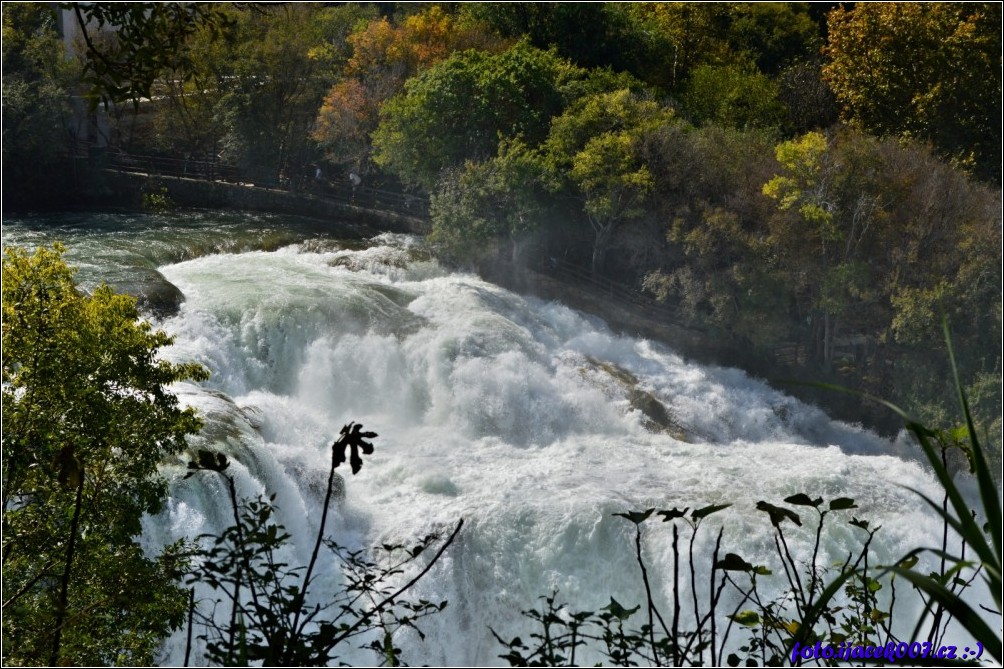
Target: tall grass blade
{"x": 988, "y": 491}
{"x": 962, "y": 612}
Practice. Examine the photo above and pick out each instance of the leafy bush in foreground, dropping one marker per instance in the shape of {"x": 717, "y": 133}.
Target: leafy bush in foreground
{"x": 269, "y": 618}
{"x": 87, "y": 418}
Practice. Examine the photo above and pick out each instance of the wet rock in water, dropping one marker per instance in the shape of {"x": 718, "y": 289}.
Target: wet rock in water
{"x": 162, "y": 299}
{"x": 655, "y": 416}
{"x": 154, "y": 294}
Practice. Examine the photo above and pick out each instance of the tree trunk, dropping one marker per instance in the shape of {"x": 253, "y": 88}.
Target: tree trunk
{"x": 829, "y": 339}
{"x": 68, "y": 565}
{"x": 603, "y": 233}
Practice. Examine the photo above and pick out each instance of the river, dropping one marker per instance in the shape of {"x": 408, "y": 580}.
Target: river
{"x": 531, "y": 421}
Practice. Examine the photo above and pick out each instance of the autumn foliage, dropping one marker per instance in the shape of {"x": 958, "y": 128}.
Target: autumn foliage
{"x": 383, "y": 57}
{"x": 923, "y": 70}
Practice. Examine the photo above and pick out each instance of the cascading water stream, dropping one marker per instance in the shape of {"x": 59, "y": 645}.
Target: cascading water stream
{"x": 531, "y": 421}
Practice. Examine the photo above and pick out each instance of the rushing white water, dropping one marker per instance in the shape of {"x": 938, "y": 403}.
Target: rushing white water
{"x": 502, "y": 411}
{"x": 511, "y": 413}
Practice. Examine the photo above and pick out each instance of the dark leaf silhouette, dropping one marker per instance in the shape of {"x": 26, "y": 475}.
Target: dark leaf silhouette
{"x": 842, "y": 503}
{"x": 801, "y": 499}
{"x": 673, "y": 514}
{"x": 708, "y": 510}
{"x": 778, "y": 514}
{"x": 353, "y": 438}
{"x": 618, "y": 611}
{"x": 733, "y": 562}
{"x": 636, "y": 517}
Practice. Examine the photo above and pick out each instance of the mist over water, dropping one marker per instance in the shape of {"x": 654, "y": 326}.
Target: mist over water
{"x": 509, "y": 412}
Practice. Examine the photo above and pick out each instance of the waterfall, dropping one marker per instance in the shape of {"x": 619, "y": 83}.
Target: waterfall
{"x": 531, "y": 421}
{"x": 512, "y": 413}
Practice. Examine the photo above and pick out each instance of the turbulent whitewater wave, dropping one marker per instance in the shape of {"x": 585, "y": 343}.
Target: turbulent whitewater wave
{"x": 531, "y": 421}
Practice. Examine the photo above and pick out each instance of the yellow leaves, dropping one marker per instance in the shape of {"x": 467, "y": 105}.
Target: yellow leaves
{"x": 596, "y": 141}
{"x": 803, "y": 159}
{"x": 615, "y": 112}
{"x": 609, "y": 162}
{"x": 345, "y": 119}
{"x": 383, "y": 57}
{"x": 803, "y": 156}
{"x": 917, "y": 310}
{"x": 783, "y": 189}
{"x": 928, "y": 69}
{"x": 816, "y": 215}
{"x": 369, "y": 46}
{"x": 428, "y": 35}
{"x": 423, "y": 40}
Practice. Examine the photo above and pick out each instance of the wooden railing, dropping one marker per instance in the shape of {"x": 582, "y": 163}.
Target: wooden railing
{"x": 371, "y": 198}
{"x": 172, "y": 167}
{"x": 614, "y": 289}
{"x": 407, "y": 204}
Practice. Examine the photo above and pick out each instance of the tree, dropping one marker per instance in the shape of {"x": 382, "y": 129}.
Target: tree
{"x": 251, "y": 99}
{"x": 928, "y": 71}
{"x": 810, "y": 102}
{"x": 733, "y": 96}
{"x": 768, "y": 36}
{"x": 718, "y": 268}
{"x": 772, "y": 34}
{"x": 382, "y": 57}
{"x": 88, "y": 418}
{"x": 147, "y": 40}
{"x": 827, "y": 208}
{"x": 499, "y": 198}
{"x": 594, "y": 149}
{"x": 36, "y": 81}
{"x": 274, "y": 80}
{"x": 588, "y": 34}
{"x": 461, "y": 108}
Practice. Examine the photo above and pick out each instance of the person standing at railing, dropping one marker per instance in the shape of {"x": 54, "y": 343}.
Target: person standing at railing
{"x": 356, "y": 182}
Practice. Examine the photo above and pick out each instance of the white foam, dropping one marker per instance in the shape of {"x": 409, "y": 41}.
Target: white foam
{"x": 497, "y": 409}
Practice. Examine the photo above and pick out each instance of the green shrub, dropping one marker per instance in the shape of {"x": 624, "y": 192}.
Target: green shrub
{"x": 87, "y": 418}
{"x": 270, "y": 619}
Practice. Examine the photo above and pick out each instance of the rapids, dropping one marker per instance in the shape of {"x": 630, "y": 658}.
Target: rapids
{"x": 514, "y": 414}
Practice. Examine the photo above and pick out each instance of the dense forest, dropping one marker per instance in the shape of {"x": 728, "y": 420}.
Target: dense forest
{"x": 816, "y": 178}
{"x": 822, "y": 179}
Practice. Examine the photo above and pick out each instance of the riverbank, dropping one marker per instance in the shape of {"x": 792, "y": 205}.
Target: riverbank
{"x": 637, "y": 319}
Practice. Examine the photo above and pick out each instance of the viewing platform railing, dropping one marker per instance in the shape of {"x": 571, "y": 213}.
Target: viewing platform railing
{"x": 619, "y": 291}
{"x": 399, "y": 202}
{"x": 172, "y": 167}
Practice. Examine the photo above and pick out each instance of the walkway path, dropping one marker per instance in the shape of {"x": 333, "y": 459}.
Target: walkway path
{"x": 398, "y": 202}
